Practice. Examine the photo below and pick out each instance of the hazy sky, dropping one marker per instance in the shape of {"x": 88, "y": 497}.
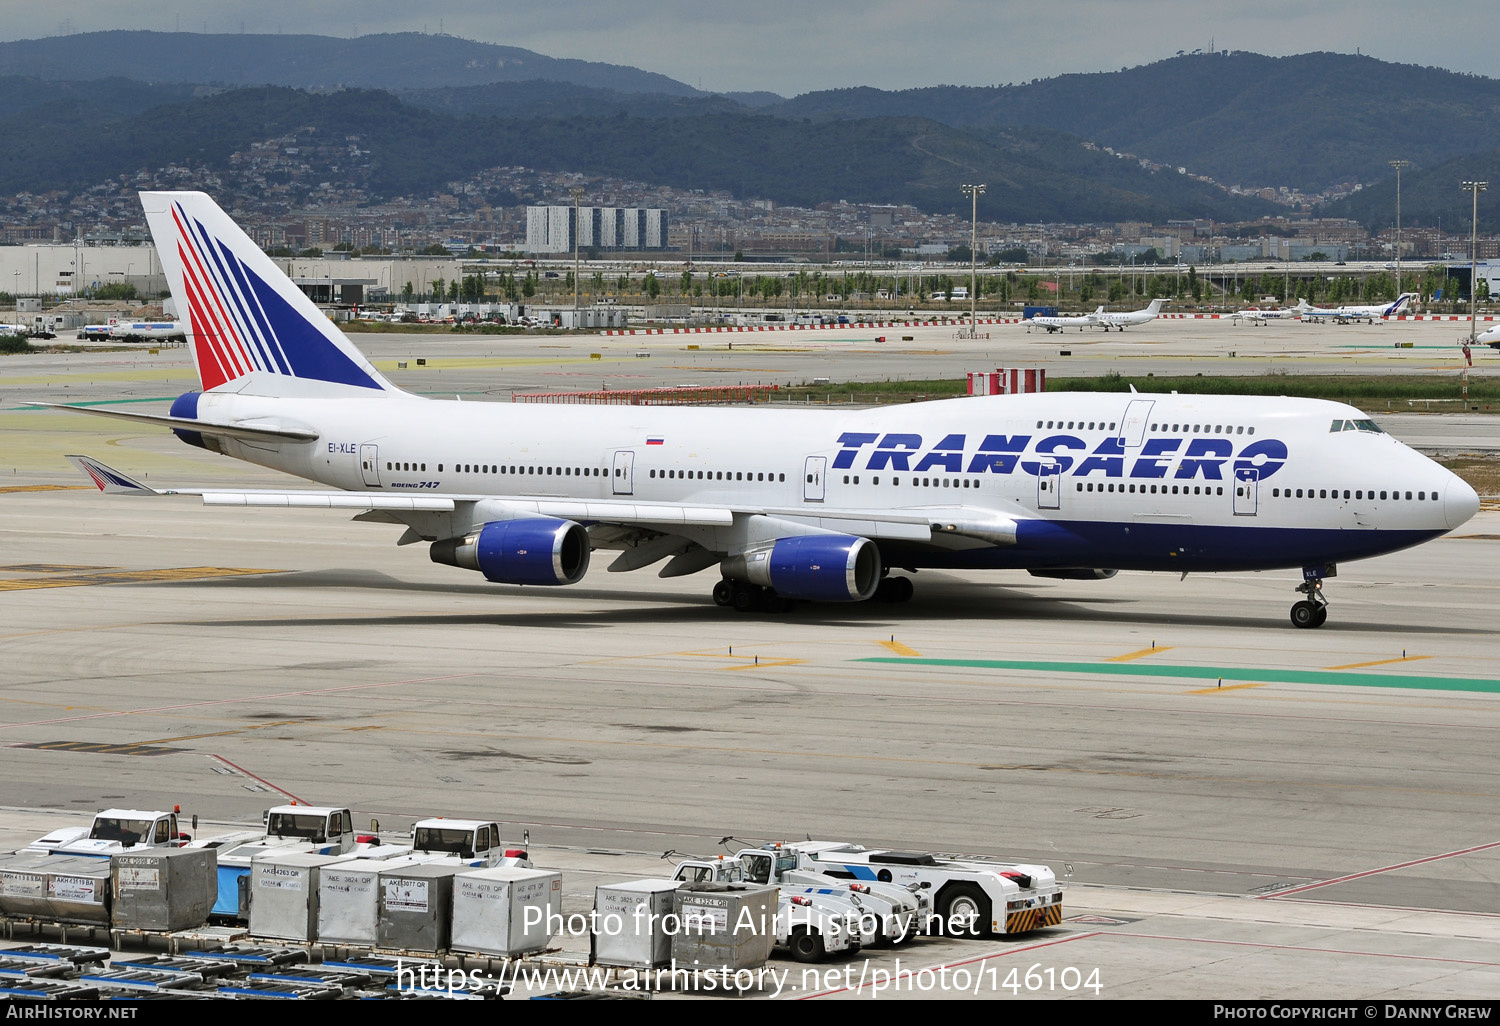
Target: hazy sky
{"x": 795, "y": 47}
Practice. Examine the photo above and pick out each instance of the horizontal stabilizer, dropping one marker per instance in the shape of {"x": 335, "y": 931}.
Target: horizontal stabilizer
{"x": 110, "y": 481}
{"x": 250, "y": 431}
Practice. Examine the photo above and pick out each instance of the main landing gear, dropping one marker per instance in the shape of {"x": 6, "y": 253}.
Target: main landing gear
{"x": 1313, "y": 610}
{"x": 750, "y": 598}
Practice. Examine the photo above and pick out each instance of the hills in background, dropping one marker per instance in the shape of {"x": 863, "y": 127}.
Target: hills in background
{"x": 82, "y": 108}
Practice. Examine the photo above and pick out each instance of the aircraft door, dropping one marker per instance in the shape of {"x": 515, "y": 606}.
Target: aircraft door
{"x": 1246, "y": 492}
{"x": 623, "y": 481}
{"x": 369, "y": 464}
{"x": 813, "y": 474}
{"x": 1133, "y": 424}
{"x": 1049, "y": 485}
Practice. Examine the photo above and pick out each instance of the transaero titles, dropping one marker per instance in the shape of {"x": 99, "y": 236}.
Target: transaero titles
{"x": 1002, "y": 454}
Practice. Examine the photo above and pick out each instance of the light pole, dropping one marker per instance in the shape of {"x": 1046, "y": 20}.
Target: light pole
{"x": 1398, "y": 165}
{"x": 1476, "y": 188}
{"x": 974, "y": 192}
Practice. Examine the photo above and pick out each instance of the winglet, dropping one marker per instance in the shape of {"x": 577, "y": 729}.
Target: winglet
{"x": 110, "y": 482}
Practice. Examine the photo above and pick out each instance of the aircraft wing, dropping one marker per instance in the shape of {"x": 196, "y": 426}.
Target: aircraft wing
{"x": 914, "y": 524}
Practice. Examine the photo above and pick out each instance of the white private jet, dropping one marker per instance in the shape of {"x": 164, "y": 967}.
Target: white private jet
{"x": 1053, "y": 324}
{"x": 1257, "y": 316}
{"x": 786, "y": 504}
{"x": 1122, "y": 320}
{"x": 1348, "y": 314}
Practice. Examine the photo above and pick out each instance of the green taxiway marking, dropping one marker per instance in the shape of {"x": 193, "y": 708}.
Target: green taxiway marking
{"x": 1353, "y": 680}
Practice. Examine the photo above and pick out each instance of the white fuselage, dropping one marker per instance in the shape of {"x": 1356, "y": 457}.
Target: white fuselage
{"x": 1097, "y": 480}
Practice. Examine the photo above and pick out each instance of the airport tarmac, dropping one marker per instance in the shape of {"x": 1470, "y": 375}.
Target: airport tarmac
{"x": 1241, "y": 809}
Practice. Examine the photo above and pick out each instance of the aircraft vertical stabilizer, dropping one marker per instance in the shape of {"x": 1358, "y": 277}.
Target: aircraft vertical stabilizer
{"x": 242, "y": 315}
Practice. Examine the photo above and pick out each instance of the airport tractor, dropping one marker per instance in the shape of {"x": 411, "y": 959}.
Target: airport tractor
{"x": 113, "y": 831}
{"x": 810, "y": 927}
{"x": 468, "y": 842}
{"x": 322, "y": 830}
{"x": 970, "y": 898}
{"x": 902, "y": 910}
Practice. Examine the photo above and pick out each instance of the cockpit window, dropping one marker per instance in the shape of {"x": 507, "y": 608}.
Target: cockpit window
{"x": 1355, "y": 425}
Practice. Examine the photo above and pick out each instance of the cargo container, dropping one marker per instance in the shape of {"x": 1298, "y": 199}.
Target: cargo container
{"x": 632, "y": 924}
{"x": 163, "y": 889}
{"x": 505, "y": 910}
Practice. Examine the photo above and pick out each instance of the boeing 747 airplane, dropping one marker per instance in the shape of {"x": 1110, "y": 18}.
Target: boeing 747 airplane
{"x": 786, "y": 504}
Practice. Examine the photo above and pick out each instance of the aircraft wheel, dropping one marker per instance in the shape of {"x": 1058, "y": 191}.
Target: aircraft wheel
{"x": 904, "y": 589}
{"x": 1305, "y": 614}
{"x": 724, "y": 593}
{"x": 746, "y": 598}
{"x": 775, "y": 603}
{"x": 1322, "y": 616}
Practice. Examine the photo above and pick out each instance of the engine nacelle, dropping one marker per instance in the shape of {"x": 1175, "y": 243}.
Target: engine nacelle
{"x": 1075, "y": 574}
{"x": 818, "y": 567}
{"x": 539, "y": 550}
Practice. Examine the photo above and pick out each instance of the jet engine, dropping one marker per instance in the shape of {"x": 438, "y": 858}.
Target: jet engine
{"x": 540, "y": 550}
{"x": 817, "y": 567}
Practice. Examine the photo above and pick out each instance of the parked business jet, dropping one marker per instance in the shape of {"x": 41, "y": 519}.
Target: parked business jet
{"x": 1053, "y": 324}
{"x": 1348, "y": 314}
{"x": 1257, "y": 316}
{"x": 1122, "y": 320}
{"x": 787, "y": 504}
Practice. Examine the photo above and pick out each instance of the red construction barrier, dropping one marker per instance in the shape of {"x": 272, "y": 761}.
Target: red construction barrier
{"x": 687, "y": 396}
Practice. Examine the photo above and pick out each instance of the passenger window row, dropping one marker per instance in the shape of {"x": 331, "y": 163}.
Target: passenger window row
{"x": 1078, "y": 425}
{"x": 716, "y": 475}
{"x": 924, "y": 482}
{"x": 1359, "y": 493}
{"x": 1205, "y": 429}
{"x": 1090, "y": 486}
{"x": 521, "y": 470}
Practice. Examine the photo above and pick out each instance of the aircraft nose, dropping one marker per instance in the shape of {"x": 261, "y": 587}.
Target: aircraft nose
{"x": 1460, "y": 502}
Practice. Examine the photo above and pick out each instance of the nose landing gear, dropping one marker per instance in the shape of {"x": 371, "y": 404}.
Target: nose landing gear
{"x": 1312, "y": 611}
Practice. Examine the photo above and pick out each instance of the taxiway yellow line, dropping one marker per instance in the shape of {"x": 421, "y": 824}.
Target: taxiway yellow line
{"x": 1232, "y": 687}
{"x": 1140, "y": 654}
{"x": 898, "y": 648}
{"x": 1377, "y": 662}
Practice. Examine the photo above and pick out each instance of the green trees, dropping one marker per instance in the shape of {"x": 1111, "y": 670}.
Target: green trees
{"x": 115, "y": 290}
{"x": 474, "y": 287}
{"x": 653, "y": 286}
